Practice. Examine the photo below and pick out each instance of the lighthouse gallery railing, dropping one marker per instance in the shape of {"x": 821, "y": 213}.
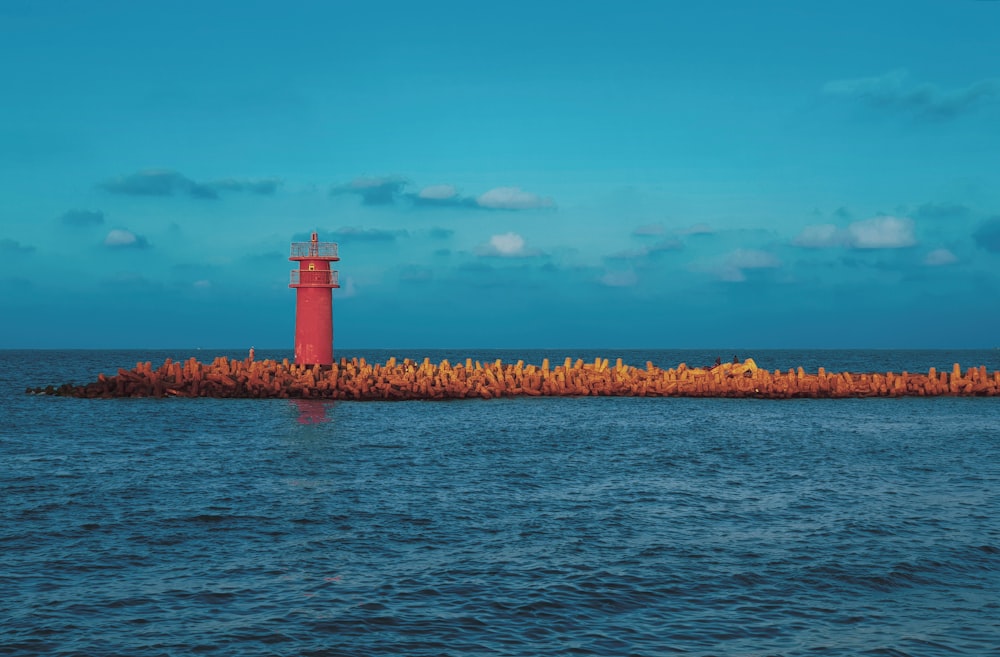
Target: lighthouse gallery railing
{"x": 318, "y": 277}
{"x": 314, "y": 250}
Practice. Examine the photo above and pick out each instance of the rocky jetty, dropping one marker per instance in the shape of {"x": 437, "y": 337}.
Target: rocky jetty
{"x": 356, "y": 379}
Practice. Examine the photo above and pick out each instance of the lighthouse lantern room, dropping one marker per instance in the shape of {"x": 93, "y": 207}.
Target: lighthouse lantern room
{"x": 314, "y": 282}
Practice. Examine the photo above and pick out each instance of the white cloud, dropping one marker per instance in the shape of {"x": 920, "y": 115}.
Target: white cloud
{"x": 939, "y": 257}
{"x": 120, "y": 238}
{"x": 508, "y": 244}
{"x": 438, "y": 192}
{"x": 349, "y": 289}
{"x": 820, "y": 236}
{"x": 752, "y": 259}
{"x": 625, "y": 278}
{"x": 882, "y": 233}
{"x": 734, "y": 266}
{"x": 730, "y": 274}
{"x": 391, "y": 190}
{"x": 512, "y": 198}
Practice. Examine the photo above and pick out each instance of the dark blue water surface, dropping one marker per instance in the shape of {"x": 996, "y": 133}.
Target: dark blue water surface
{"x": 531, "y": 526}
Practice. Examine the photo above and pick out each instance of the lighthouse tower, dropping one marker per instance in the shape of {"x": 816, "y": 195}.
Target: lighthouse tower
{"x": 313, "y": 282}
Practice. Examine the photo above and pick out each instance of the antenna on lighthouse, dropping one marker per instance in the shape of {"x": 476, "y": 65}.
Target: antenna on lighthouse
{"x": 314, "y": 282}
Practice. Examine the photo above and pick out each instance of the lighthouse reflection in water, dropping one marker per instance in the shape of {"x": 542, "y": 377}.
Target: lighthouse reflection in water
{"x": 312, "y": 411}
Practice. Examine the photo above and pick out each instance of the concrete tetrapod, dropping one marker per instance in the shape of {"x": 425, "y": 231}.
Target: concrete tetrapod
{"x": 356, "y": 379}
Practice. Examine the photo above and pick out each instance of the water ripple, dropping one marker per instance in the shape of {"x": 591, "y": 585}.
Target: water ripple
{"x": 526, "y": 526}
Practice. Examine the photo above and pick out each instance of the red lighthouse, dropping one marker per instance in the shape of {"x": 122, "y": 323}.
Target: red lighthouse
{"x": 313, "y": 282}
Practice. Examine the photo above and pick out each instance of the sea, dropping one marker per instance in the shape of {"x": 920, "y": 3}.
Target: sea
{"x": 521, "y": 526}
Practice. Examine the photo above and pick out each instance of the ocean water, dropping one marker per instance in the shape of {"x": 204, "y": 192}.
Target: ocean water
{"x": 528, "y": 526}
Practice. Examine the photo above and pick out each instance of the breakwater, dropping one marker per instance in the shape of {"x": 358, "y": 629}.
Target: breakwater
{"x": 356, "y": 379}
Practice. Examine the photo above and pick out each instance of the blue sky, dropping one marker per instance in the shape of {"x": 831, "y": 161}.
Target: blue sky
{"x": 615, "y": 175}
